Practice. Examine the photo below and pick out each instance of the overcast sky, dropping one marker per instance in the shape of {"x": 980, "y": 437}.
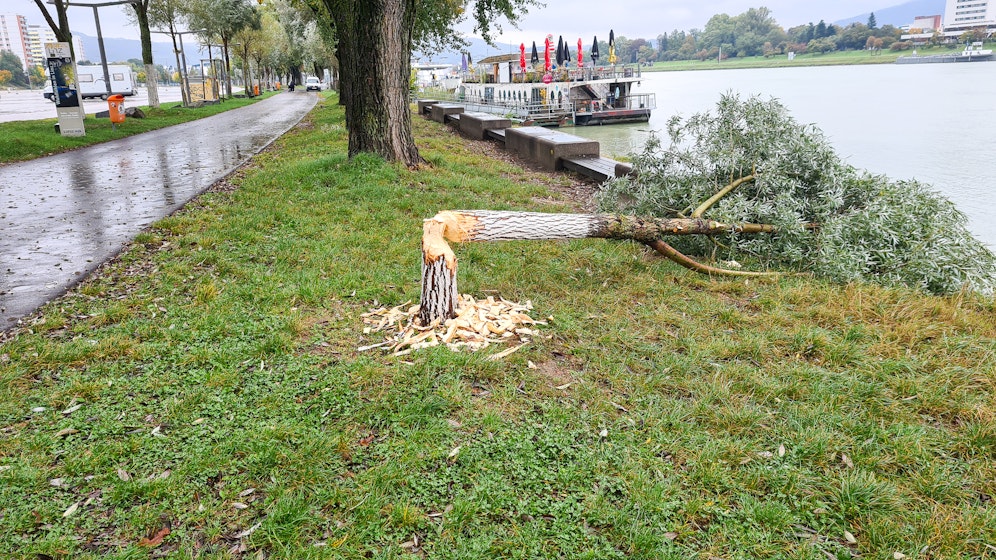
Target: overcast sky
{"x": 570, "y": 18}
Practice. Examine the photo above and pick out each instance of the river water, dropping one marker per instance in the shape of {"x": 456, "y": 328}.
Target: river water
{"x": 931, "y": 122}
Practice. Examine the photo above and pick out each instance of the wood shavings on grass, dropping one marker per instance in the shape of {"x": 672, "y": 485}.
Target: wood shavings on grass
{"x": 478, "y": 325}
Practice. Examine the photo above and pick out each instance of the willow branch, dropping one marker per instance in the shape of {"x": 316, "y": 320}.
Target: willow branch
{"x": 723, "y": 192}
{"x": 679, "y": 258}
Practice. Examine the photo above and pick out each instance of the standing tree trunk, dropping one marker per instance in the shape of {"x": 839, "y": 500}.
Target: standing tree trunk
{"x": 151, "y": 76}
{"x": 375, "y": 38}
{"x": 228, "y": 67}
{"x": 60, "y": 29}
{"x": 439, "y": 265}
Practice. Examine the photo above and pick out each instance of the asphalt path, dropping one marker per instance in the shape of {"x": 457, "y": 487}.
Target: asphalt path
{"x": 63, "y": 215}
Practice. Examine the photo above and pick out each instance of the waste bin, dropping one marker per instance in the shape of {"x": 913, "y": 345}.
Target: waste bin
{"x": 115, "y": 108}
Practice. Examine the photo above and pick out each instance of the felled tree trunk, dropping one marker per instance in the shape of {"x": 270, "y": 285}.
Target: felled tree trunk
{"x": 439, "y": 266}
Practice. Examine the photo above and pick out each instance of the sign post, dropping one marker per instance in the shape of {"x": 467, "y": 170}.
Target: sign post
{"x": 61, "y": 71}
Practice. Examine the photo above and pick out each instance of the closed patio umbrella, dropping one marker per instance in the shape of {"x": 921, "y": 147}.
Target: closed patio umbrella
{"x": 535, "y": 56}
{"x": 560, "y": 51}
{"x": 580, "y": 54}
{"x": 612, "y": 47}
{"x": 594, "y": 50}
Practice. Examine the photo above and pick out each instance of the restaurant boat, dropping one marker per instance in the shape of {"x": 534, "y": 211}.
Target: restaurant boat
{"x": 590, "y": 95}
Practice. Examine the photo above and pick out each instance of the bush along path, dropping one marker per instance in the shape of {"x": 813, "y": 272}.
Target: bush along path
{"x": 203, "y": 396}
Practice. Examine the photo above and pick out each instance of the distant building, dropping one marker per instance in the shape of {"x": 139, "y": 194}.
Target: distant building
{"x": 965, "y": 15}
{"x": 14, "y": 37}
{"x": 38, "y": 35}
{"x": 928, "y": 24}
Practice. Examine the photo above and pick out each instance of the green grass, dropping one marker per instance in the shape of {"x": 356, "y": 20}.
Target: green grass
{"x": 24, "y": 140}
{"x": 839, "y": 58}
{"x": 220, "y": 393}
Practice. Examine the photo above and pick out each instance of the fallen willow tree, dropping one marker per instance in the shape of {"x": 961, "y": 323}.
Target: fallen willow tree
{"x": 828, "y": 218}
{"x": 439, "y": 264}
{"x": 757, "y": 171}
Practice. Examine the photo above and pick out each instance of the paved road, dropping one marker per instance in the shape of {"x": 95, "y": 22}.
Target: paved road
{"x": 63, "y": 215}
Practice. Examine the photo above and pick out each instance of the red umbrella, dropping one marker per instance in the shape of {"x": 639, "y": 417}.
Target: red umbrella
{"x": 546, "y": 54}
{"x": 522, "y": 56}
{"x": 580, "y": 54}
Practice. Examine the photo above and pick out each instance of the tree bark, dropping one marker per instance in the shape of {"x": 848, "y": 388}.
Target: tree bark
{"x": 375, "y": 38}
{"x": 439, "y": 265}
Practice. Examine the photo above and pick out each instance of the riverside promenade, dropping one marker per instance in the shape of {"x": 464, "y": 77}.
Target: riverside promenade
{"x": 64, "y": 215}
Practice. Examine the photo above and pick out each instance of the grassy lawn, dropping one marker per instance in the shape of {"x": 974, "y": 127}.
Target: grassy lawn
{"x": 202, "y": 395}
{"x": 26, "y": 140}
{"x": 830, "y": 59}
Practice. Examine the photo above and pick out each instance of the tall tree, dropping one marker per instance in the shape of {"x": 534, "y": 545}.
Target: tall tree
{"x": 872, "y": 24}
{"x": 222, "y": 19}
{"x": 60, "y": 23}
{"x": 168, "y": 14}
{"x": 375, "y": 42}
{"x": 141, "y": 8}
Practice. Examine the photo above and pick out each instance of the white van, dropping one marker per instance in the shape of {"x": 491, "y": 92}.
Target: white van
{"x": 92, "y": 81}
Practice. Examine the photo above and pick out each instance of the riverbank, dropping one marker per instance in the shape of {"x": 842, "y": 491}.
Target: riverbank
{"x": 839, "y": 58}
{"x": 204, "y": 395}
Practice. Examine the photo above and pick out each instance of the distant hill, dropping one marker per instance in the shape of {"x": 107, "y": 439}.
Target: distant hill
{"x": 120, "y": 50}
{"x": 900, "y": 15}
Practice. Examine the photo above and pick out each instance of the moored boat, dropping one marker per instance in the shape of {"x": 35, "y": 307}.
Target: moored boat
{"x": 590, "y": 95}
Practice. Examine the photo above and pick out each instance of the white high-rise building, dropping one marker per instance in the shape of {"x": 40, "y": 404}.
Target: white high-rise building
{"x": 964, "y": 15}
{"x": 14, "y": 37}
{"x": 38, "y": 35}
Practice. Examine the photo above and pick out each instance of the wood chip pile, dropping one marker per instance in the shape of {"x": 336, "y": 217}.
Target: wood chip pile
{"x": 478, "y": 324}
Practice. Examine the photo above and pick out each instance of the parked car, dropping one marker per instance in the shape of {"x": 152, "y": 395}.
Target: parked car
{"x": 313, "y": 84}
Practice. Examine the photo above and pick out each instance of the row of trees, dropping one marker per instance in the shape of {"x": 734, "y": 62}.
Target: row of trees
{"x": 754, "y": 33}
{"x": 267, "y": 41}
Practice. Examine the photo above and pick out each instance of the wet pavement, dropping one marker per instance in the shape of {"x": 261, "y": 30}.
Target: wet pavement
{"x": 62, "y": 216}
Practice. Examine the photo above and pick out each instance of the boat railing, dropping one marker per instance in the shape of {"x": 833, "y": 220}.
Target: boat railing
{"x": 633, "y": 101}
{"x": 519, "y": 108}
{"x": 604, "y": 72}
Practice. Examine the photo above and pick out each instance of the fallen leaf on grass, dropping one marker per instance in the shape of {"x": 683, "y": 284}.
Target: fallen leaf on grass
{"x": 455, "y": 452}
{"x": 850, "y": 538}
{"x": 781, "y": 450}
{"x": 156, "y": 539}
{"x": 239, "y": 505}
{"x": 898, "y": 555}
{"x": 847, "y": 461}
{"x": 71, "y": 510}
{"x": 72, "y": 409}
{"x": 66, "y": 432}
{"x": 246, "y": 492}
{"x": 123, "y": 475}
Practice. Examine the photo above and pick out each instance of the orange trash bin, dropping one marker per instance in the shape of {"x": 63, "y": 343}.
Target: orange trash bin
{"x": 115, "y": 108}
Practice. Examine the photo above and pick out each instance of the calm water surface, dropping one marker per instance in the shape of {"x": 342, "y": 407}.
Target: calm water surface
{"x": 932, "y": 122}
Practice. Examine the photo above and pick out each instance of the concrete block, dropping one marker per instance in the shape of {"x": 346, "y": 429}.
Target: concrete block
{"x": 477, "y": 125}
{"x": 520, "y": 141}
{"x": 550, "y": 150}
{"x": 423, "y": 104}
{"x": 440, "y": 110}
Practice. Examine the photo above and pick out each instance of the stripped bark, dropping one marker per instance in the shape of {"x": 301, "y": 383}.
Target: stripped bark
{"x": 439, "y": 266}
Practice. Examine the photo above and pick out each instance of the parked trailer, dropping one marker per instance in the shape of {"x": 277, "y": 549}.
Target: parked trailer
{"x": 92, "y": 84}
